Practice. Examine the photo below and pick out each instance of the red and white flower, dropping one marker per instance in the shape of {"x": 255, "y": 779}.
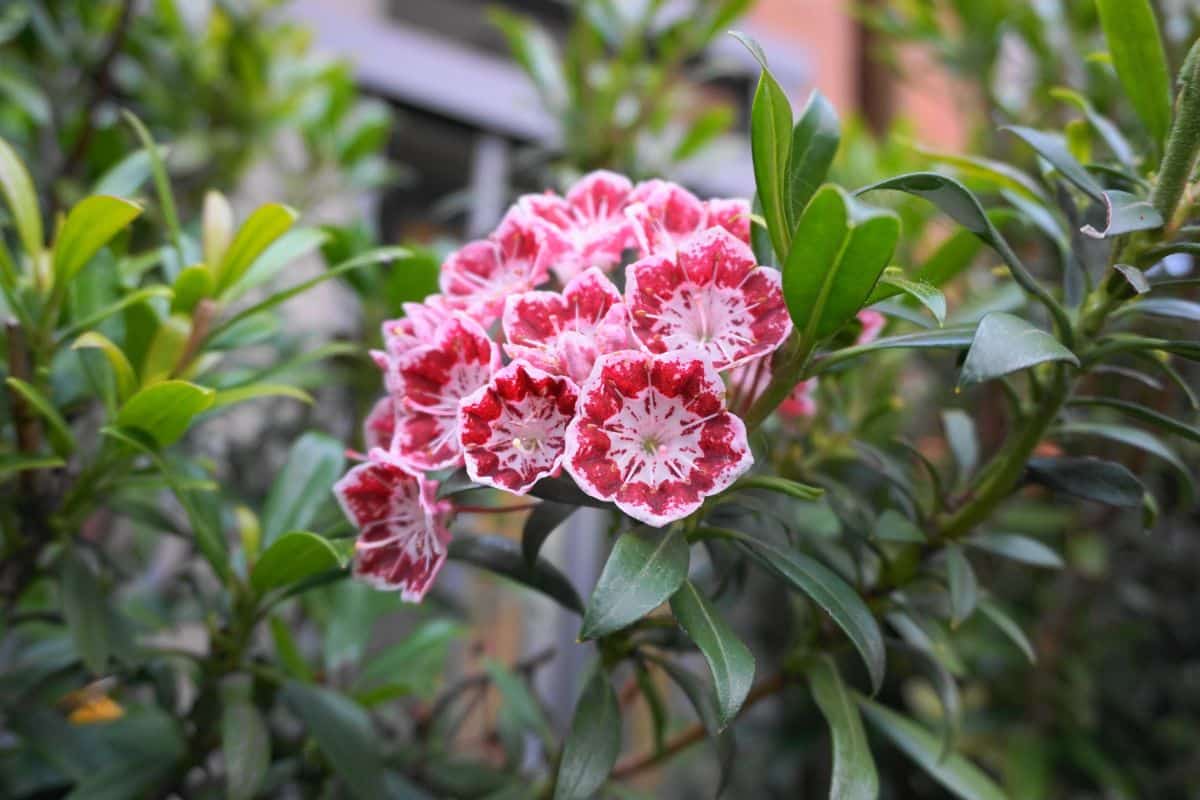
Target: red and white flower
{"x": 402, "y": 527}
{"x": 565, "y": 333}
{"x": 665, "y": 216}
{"x": 802, "y": 402}
{"x": 712, "y": 296}
{"x": 479, "y": 276}
{"x": 380, "y": 425}
{"x": 512, "y": 430}
{"x": 435, "y": 378}
{"x": 588, "y": 227}
{"x": 652, "y": 435}
{"x": 418, "y": 325}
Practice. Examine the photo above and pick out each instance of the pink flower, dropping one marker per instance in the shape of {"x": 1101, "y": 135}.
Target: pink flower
{"x": 402, "y": 527}
{"x": 588, "y": 227}
{"x": 564, "y": 333}
{"x": 652, "y": 435}
{"x": 418, "y": 325}
{"x": 513, "y": 429}
{"x": 435, "y": 378}
{"x": 872, "y": 324}
{"x": 665, "y": 215}
{"x": 802, "y": 402}
{"x": 711, "y": 296}
{"x": 380, "y": 425}
{"x": 478, "y": 277}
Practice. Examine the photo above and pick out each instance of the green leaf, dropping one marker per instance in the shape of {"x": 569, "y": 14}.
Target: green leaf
{"x": 640, "y": 575}
{"x": 992, "y": 174}
{"x": 1134, "y": 277}
{"x": 192, "y": 285}
{"x": 503, "y": 557}
{"x": 413, "y": 666}
{"x": 593, "y": 742}
{"x": 1019, "y": 548}
{"x": 854, "y": 776}
{"x": 85, "y": 609}
{"x": 12, "y": 463}
{"x": 256, "y": 234}
{"x": 730, "y": 662}
{"x": 1124, "y": 213}
{"x": 1004, "y": 344}
{"x": 1169, "y": 424}
{"x": 1137, "y": 54}
{"x": 61, "y": 438}
{"x": 288, "y": 653}
{"x": 1110, "y": 133}
{"x": 166, "y": 347}
{"x": 375, "y": 256}
{"x": 291, "y": 246}
{"x": 127, "y": 300}
{"x": 90, "y": 225}
{"x": 344, "y": 734}
{"x": 1166, "y": 307}
{"x": 303, "y": 486}
{"x": 964, "y": 589}
{"x": 954, "y": 772}
{"x": 126, "y": 177}
{"x": 245, "y": 741}
{"x": 541, "y": 522}
{"x": 814, "y": 145}
{"x": 703, "y": 701}
{"x": 21, "y": 198}
{"x": 772, "y": 483}
{"x": 254, "y": 391}
{"x": 827, "y": 281}
{"x": 770, "y": 144}
{"x": 1053, "y": 148}
{"x": 924, "y": 293}
{"x": 293, "y": 557}
{"x": 964, "y": 444}
{"x": 892, "y": 526}
{"x": 122, "y": 370}
{"x": 162, "y": 182}
{"x": 165, "y": 410}
{"x": 1090, "y": 478}
{"x": 954, "y": 338}
{"x": 829, "y": 592}
{"x": 1136, "y": 438}
{"x": 1000, "y": 618}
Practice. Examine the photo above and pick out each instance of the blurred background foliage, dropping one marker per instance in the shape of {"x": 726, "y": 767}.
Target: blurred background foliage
{"x": 352, "y": 688}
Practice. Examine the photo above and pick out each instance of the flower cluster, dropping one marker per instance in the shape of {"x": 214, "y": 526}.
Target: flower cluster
{"x": 624, "y": 389}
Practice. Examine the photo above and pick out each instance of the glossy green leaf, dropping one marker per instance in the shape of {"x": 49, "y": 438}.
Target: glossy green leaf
{"x": 541, "y": 522}
{"x": 770, "y": 144}
{"x": 593, "y": 742}
{"x": 1149, "y": 415}
{"x": 1008, "y": 626}
{"x": 344, "y": 734}
{"x": 773, "y": 483}
{"x": 122, "y": 370}
{"x": 162, "y": 182}
{"x": 90, "y": 225}
{"x": 814, "y": 145}
{"x": 826, "y": 282}
{"x": 1137, "y": 54}
{"x": 287, "y": 249}
{"x": 964, "y": 588}
{"x": 165, "y": 410}
{"x": 924, "y": 293}
{"x": 21, "y": 198}
{"x": 1090, "y": 478}
{"x": 59, "y": 433}
{"x": 730, "y": 662}
{"x": 303, "y": 486}
{"x": 254, "y": 391}
{"x": 256, "y": 234}
{"x": 166, "y": 348}
{"x": 1165, "y": 307}
{"x": 1124, "y": 213}
{"x": 503, "y": 557}
{"x": 1005, "y": 343}
{"x": 192, "y": 285}
{"x": 958, "y": 337}
{"x": 1053, "y": 148}
{"x": 640, "y": 575}
{"x": 1134, "y": 277}
{"x": 1014, "y": 546}
{"x": 954, "y": 772}
{"x": 829, "y": 592}
{"x": 293, "y": 557}
{"x": 245, "y": 741}
{"x": 1136, "y": 438}
{"x": 854, "y": 776}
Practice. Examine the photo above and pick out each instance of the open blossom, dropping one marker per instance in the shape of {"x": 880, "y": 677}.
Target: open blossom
{"x": 418, "y": 325}
{"x": 712, "y": 296}
{"x": 479, "y": 276}
{"x": 402, "y": 527}
{"x": 513, "y": 429}
{"x": 653, "y": 436}
{"x": 380, "y": 425}
{"x": 665, "y": 215}
{"x": 564, "y": 333}
{"x": 588, "y": 227}
{"x": 435, "y": 378}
